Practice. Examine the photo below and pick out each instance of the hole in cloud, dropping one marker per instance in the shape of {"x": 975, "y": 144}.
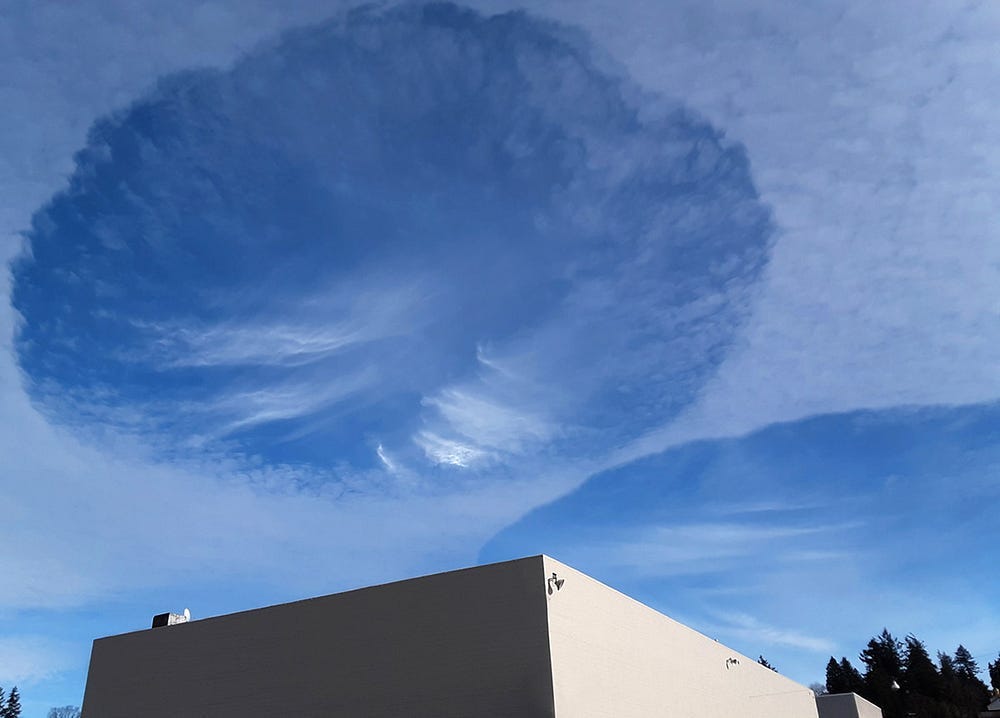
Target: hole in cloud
{"x": 419, "y": 233}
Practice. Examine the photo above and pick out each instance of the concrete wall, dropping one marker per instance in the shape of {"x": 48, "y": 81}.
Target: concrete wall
{"x": 846, "y": 705}
{"x": 463, "y": 644}
{"x": 613, "y": 657}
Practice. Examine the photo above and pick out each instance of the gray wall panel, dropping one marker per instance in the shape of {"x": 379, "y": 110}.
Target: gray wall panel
{"x": 469, "y": 644}
{"x": 846, "y": 705}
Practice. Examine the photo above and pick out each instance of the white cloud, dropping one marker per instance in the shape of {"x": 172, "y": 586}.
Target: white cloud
{"x": 702, "y": 548}
{"x": 751, "y": 630}
{"x": 449, "y": 451}
{"x": 258, "y": 345}
{"x": 285, "y": 401}
{"x": 870, "y": 131}
{"x": 383, "y": 456}
{"x": 499, "y": 412}
{"x": 347, "y": 319}
{"x": 488, "y": 423}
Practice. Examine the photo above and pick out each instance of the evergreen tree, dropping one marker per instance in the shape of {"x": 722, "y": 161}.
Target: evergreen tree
{"x": 883, "y": 655}
{"x": 12, "y": 709}
{"x": 994, "y": 669}
{"x": 965, "y": 664}
{"x": 763, "y": 661}
{"x": 843, "y": 677}
{"x": 950, "y": 688}
{"x": 854, "y": 682}
{"x": 962, "y": 690}
{"x": 834, "y": 677}
{"x": 947, "y": 666}
{"x": 919, "y": 674}
{"x": 883, "y": 668}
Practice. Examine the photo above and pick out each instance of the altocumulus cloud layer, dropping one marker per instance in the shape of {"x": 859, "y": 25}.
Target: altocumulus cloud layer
{"x": 398, "y": 240}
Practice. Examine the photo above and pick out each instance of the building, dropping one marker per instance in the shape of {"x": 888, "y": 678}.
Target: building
{"x": 846, "y": 705}
{"x": 526, "y": 638}
{"x": 993, "y": 709}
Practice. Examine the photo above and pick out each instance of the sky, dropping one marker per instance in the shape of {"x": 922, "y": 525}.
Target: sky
{"x": 700, "y": 298}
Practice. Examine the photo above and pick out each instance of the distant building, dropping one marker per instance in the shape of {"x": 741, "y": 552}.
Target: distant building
{"x": 993, "y": 709}
{"x": 846, "y": 705}
{"x": 527, "y": 638}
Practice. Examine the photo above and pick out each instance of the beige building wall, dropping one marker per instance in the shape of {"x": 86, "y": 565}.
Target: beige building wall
{"x": 613, "y": 657}
{"x": 846, "y": 705}
{"x": 463, "y": 644}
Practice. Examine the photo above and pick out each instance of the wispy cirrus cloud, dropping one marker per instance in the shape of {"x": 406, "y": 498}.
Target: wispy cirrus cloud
{"x": 710, "y": 548}
{"x": 752, "y": 630}
{"x": 449, "y": 451}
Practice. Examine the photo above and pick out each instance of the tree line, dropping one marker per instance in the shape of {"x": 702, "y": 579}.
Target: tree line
{"x": 903, "y": 680}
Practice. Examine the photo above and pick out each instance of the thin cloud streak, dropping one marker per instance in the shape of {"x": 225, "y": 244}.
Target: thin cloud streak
{"x": 752, "y": 630}
{"x": 701, "y": 548}
{"x": 369, "y": 315}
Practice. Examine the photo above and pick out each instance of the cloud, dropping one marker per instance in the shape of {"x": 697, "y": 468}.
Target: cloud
{"x": 703, "y": 548}
{"x": 492, "y": 423}
{"x": 869, "y": 128}
{"x": 447, "y": 451}
{"x": 235, "y": 248}
{"x": 752, "y": 630}
{"x": 369, "y": 314}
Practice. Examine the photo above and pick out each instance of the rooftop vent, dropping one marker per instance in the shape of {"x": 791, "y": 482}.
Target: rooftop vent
{"x": 171, "y": 619}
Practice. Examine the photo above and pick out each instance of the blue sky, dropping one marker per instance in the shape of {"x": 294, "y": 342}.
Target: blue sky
{"x": 701, "y": 298}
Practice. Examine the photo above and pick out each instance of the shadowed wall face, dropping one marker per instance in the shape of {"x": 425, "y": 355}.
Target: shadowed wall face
{"x": 846, "y": 705}
{"x": 465, "y": 643}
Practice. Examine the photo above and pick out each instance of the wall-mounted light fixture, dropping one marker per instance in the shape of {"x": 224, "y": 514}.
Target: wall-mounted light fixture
{"x": 555, "y": 583}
